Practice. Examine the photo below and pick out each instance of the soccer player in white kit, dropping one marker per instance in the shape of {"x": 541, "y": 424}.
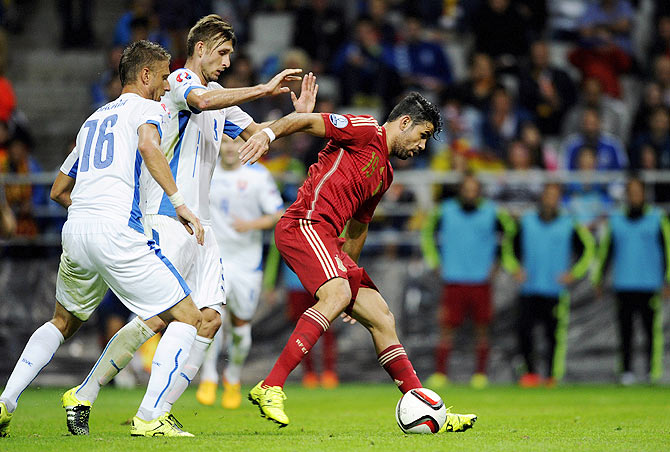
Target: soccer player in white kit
{"x": 201, "y": 114}
{"x": 103, "y": 240}
{"x": 244, "y": 200}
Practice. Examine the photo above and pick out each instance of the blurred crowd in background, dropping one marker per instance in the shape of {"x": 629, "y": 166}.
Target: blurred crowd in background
{"x": 537, "y": 87}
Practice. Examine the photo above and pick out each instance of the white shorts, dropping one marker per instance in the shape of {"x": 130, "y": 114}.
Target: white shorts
{"x": 199, "y": 265}
{"x": 100, "y": 255}
{"x": 242, "y": 291}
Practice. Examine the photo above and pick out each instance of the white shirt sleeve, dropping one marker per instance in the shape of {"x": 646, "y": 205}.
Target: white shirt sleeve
{"x": 182, "y": 82}
{"x": 71, "y": 163}
{"x": 155, "y": 113}
{"x": 268, "y": 194}
{"x": 236, "y": 120}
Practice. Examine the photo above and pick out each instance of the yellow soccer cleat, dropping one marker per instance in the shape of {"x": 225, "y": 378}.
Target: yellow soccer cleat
{"x": 232, "y": 396}
{"x": 437, "y": 381}
{"x": 479, "y": 381}
{"x": 76, "y": 412}
{"x": 458, "y": 422}
{"x": 270, "y": 402}
{"x": 165, "y": 425}
{"x": 5, "y": 419}
{"x": 206, "y": 393}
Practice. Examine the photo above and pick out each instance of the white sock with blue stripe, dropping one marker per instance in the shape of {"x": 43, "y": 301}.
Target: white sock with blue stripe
{"x": 117, "y": 354}
{"x": 188, "y": 373}
{"x": 38, "y": 352}
{"x": 171, "y": 355}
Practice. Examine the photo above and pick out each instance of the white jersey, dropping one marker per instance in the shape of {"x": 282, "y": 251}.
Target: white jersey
{"x": 191, "y": 145}
{"x": 107, "y": 163}
{"x": 247, "y": 193}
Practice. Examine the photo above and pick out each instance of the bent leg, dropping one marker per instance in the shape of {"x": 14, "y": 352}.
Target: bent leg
{"x": 373, "y": 313}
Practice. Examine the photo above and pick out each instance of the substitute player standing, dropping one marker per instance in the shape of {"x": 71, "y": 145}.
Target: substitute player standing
{"x": 244, "y": 201}
{"x": 345, "y": 185}
{"x": 104, "y": 242}
{"x": 191, "y": 143}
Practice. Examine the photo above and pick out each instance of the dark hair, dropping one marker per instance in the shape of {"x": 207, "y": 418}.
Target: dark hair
{"x": 212, "y": 30}
{"x": 419, "y": 110}
{"x": 138, "y": 55}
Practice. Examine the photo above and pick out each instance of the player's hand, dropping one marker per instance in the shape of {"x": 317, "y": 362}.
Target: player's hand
{"x": 307, "y": 100}
{"x": 347, "y": 318}
{"x": 191, "y": 223}
{"x": 276, "y": 84}
{"x": 520, "y": 276}
{"x": 240, "y": 225}
{"x": 566, "y": 278}
{"x": 257, "y": 145}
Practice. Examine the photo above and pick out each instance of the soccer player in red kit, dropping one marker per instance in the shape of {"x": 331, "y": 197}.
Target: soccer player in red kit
{"x": 342, "y": 189}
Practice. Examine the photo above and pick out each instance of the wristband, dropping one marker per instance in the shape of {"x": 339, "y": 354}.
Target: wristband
{"x": 176, "y": 199}
{"x": 268, "y": 131}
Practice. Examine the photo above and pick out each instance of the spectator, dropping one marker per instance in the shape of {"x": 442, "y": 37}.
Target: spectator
{"x": 652, "y": 98}
{"x": 586, "y": 202}
{"x": 661, "y": 44}
{"x": 525, "y": 190}
{"x": 542, "y": 155}
{"x": 468, "y": 240}
{"x": 500, "y": 31}
{"x": 7, "y": 98}
{"x": 502, "y": 124}
{"x": 635, "y": 243}
{"x": 7, "y": 219}
{"x": 421, "y": 63}
{"x": 365, "y": 68}
{"x": 15, "y": 161}
{"x": 378, "y": 12}
{"x": 651, "y": 148}
{"x": 108, "y": 86}
{"x": 318, "y": 30}
{"x": 606, "y": 20}
{"x": 478, "y": 89}
{"x": 545, "y": 241}
{"x": 610, "y": 154}
{"x": 662, "y": 77}
{"x": 545, "y": 91}
{"x": 138, "y": 22}
{"x": 613, "y": 112}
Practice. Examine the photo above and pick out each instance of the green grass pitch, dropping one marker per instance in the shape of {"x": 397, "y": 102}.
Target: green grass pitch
{"x": 361, "y": 417}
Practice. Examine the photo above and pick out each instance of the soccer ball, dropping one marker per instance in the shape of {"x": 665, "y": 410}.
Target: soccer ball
{"x": 420, "y": 411}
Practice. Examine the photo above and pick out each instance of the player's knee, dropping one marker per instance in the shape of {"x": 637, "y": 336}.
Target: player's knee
{"x": 66, "y": 326}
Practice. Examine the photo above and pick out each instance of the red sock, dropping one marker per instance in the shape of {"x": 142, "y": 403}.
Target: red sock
{"x": 482, "y": 357}
{"x": 310, "y": 327}
{"x": 394, "y": 361}
{"x": 329, "y": 351}
{"x": 307, "y": 364}
{"x": 442, "y": 352}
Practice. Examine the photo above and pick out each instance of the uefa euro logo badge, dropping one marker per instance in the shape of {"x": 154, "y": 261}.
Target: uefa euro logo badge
{"x": 183, "y": 75}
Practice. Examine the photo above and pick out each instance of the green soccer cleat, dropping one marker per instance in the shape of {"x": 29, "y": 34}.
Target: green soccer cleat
{"x": 165, "y": 425}
{"x": 77, "y": 412}
{"x": 5, "y": 419}
{"x": 270, "y": 402}
{"x": 458, "y": 422}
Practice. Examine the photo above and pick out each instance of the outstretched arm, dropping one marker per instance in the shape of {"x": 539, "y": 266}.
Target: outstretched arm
{"x": 259, "y": 143}
{"x": 149, "y": 147}
{"x": 216, "y": 99}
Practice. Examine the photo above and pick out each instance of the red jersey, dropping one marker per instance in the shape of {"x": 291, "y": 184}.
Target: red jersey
{"x": 351, "y": 175}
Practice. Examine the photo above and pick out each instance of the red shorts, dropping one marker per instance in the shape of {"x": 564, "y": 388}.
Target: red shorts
{"x": 460, "y": 299}
{"x": 313, "y": 251}
{"x": 298, "y": 302}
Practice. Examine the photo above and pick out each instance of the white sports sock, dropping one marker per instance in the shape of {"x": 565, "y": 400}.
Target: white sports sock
{"x": 171, "y": 354}
{"x": 38, "y": 352}
{"x": 208, "y": 370}
{"x": 189, "y": 371}
{"x": 117, "y": 354}
{"x": 238, "y": 352}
